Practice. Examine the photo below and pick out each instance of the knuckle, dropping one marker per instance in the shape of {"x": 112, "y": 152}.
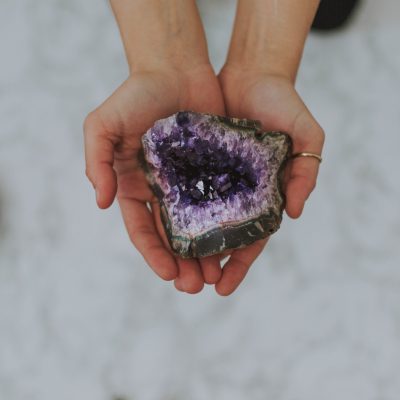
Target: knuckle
{"x": 89, "y": 173}
{"x": 320, "y": 134}
{"x": 88, "y": 122}
{"x": 311, "y": 185}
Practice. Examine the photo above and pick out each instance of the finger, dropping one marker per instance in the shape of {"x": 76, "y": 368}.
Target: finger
{"x": 211, "y": 268}
{"x": 190, "y": 278}
{"x": 237, "y": 267}
{"x": 99, "y": 154}
{"x": 301, "y": 182}
{"x": 308, "y": 136}
{"x": 178, "y": 285}
{"x": 139, "y": 223}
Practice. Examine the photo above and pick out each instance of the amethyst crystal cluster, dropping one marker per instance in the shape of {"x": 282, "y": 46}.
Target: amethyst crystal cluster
{"x": 218, "y": 180}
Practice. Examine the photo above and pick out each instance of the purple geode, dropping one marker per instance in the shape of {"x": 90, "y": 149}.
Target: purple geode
{"x": 218, "y": 180}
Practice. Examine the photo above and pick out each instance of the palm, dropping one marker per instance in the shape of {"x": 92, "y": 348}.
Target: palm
{"x": 135, "y": 106}
{"x": 274, "y": 102}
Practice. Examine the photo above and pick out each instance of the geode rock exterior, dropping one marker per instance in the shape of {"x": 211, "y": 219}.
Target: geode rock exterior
{"x": 218, "y": 180}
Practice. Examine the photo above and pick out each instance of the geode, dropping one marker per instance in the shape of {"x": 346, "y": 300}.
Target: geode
{"x": 218, "y": 180}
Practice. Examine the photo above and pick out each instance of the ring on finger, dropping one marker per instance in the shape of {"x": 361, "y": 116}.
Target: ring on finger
{"x": 307, "y": 154}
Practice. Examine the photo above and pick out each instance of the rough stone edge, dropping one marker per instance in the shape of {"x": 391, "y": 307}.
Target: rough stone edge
{"x": 228, "y": 236}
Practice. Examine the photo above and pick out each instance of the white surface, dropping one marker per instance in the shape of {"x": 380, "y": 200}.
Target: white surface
{"x": 82, "y": 317}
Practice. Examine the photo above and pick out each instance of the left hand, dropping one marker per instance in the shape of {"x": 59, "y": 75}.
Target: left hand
{"x": 274, "y": 101}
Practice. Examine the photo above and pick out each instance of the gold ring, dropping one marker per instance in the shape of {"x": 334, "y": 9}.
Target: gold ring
{"x": 305, "y": 154}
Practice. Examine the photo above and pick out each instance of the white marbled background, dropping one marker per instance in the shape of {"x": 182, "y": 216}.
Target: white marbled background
{"x": 82, "y": 317}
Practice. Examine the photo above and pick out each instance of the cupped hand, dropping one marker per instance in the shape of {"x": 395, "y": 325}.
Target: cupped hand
{"x": 112, "y": 140}
{"x": 274, "y": 101}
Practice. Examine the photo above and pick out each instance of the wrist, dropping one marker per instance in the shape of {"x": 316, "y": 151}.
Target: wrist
{"x": 167, "y": 62}
{"x": 238, "y": 73}
{"x": 269, "y": 36}
{"x": 171, "y": 72}
{"x": 161, "y": 34}
{"x": 252, "y": 69}
{"x": 252, "y": 53}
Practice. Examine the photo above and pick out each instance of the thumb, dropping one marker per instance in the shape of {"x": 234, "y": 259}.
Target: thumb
{"x": 99, "y": 155}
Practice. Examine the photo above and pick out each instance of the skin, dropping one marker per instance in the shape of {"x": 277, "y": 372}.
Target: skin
{"x": 170, "y": 71}
{"x": 257, "y": 82}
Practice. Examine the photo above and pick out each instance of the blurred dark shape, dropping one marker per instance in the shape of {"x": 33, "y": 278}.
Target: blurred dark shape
{"x": 334, "y": 14}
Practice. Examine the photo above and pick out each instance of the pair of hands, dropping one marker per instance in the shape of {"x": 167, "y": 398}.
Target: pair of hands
{"x": 113, "y": 138}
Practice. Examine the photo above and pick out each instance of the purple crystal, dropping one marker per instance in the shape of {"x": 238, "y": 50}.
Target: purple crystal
{"x": 217, "y": 179}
